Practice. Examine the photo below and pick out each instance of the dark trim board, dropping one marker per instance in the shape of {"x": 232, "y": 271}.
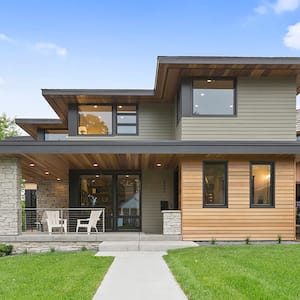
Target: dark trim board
{"x": 151, "y": 147}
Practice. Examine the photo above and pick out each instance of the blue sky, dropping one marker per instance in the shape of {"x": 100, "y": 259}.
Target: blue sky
{"x": 114, "y": 44}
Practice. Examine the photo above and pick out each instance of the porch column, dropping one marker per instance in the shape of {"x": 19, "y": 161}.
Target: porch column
{"x": 10, "y": 196}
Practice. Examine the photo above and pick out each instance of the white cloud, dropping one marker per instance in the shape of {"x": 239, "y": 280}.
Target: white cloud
{"x": 50, "y": 48}
{"x": 261, "y": 10}
{"x": 292, "y": 37}
{"x": 285, "y": 5}
{"x": 279, "y": 6}
{"x": 4, "y": 37}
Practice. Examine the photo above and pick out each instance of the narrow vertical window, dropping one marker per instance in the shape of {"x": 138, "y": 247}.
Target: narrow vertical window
{"x": 215, "y": 184}
{"x": 126, "y": 120}
{"x": 262, "y": 184}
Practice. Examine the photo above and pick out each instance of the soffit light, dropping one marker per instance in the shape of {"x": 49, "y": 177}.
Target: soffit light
{"x": 120, "y": 106}
{"x": 58, "y": 179}
{"x": 31, "y": 165}
{"x": 46, "y": 173}
{"x": 158, "y": 165}
{"x": 95, "y": 165}
{"x": 97, "y": 176}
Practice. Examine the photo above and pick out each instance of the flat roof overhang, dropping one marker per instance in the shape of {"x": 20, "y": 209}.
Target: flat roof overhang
{"x": 31, "y": 126}
{"x": 57, "y": 157}
{"x": 170, "y": 71}
{"x": 150, "y": 147}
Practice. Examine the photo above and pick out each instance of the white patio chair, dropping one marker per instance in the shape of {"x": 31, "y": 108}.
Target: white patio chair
{"x": 54, "y": 221}
{"x": 91, "y": 222}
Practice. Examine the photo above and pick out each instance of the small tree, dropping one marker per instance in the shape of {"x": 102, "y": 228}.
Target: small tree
{"x": 8, "y": 127}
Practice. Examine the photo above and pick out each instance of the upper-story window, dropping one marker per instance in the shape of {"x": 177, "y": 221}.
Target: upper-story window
{"x": 107, "y": 120}
{"x": 126, "y": 119}
{"x": 55, "y": 134}
{"x": 212, "y": 96}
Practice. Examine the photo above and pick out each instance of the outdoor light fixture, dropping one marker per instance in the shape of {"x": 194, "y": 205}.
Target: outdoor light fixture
{"x": 158, "y": 164}
{"x": 31, "y": 165}
{"x": 46, "y": 173}
{"x": 95, "y": 106}
{"x": 95, "y": 165}
{"x": 58, "y": 179}
{"x": 120, "y": 106}
{"x": 97, "y": 176}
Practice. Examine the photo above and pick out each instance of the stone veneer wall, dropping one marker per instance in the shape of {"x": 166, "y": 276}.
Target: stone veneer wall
{"x": 10, "y": 196}
{"x": 171, "y": 221}
{"x": 52, "y": 194}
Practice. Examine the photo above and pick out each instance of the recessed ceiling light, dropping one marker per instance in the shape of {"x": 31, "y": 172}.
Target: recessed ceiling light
{"x": 231, "y": 106}
{"x": 95, "y": 165}
{"x": 126, "y": 176}
{"x": 58, "y": 179}
{"x": 46, "y": 173}
{"x": 120, "y": 106}
{"x": 202, "y": 94}
{"x": 95, "y": 106}
{"x": 209, "y": 80}
{"x": 196, "y": 105}
{"x": 31, "y": 165}
{"x": 93, "y": 181}
{"x": 158, "y": 164}
{"x": 97, "y": 176}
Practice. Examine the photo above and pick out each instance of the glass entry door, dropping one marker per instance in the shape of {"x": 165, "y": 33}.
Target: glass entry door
{"x": 120, "y": 196}
{"x": 128, "y": 202}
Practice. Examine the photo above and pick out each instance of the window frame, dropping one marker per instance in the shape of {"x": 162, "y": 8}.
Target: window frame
{"x": 114, "y": 119}
{"x": 272, "y": 184}
{"x": 205, "y": 205}
{"x": 126, "y": 124}
{"x": 234, "y": 114}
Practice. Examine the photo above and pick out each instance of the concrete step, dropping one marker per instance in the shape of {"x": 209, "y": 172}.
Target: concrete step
{"x": 144, "y": 245}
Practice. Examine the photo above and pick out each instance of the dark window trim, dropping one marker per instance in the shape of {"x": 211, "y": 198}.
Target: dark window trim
{"x": 234, "y": 97}
{"x": 272, "y": 184}
{"x": 115, "y": 115}
{"x": 75, "y": 188}
{"x": 212, "y": 162}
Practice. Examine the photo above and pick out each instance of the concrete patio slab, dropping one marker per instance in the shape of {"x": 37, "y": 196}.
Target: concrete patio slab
{"x": 138, "y": 275}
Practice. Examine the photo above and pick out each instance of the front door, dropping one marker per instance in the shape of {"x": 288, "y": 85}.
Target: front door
{"x": 128, "y": 202}
{"x": 118, "y": 193}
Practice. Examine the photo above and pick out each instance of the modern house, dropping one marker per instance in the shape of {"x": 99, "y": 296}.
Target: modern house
{"x": 210, "y": 152}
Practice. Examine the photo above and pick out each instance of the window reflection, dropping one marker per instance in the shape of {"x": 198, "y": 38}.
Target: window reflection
{"x": 261, "y": 183}
{"x": 95, "y": 119}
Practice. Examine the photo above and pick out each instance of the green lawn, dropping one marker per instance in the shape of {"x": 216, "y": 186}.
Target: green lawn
{"x": 238, "y": 272}
{"x": 74, "y": 275}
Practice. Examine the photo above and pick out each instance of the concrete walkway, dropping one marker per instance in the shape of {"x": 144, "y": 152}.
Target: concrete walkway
{"x": 138, "y": 275}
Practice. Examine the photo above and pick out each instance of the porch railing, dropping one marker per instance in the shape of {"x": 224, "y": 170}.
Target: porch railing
{"x": 39, "y": 220}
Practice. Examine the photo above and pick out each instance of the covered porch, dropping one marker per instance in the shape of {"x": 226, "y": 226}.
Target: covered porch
{"x": 130, "y": 189}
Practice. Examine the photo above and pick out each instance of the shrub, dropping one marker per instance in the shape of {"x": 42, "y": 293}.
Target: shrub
{"x": 279, "y": 238}
{"x": 5, "y": 249}
{"x": 213, "y": 241}
{"x": 247, "y": 240}
{"x": 52, "y": 249}
{"x": 83, "y": 248}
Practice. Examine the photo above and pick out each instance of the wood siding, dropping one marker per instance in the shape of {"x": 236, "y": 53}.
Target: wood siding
{"x": 157, "y": 185}
{"x": 155, "y": 122}
{"x": 265, "y": 111}
{"x": 238, "y": 221}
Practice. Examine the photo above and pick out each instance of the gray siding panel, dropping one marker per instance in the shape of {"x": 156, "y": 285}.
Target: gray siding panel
{"x": 156, "y": 122}
{"x": 265, "y": 111}
{"x": 157, "y": 185}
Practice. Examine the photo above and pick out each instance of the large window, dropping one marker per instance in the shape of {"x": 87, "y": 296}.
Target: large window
{"x": 107, "y": 120}
{"x": 215, "y": 184}
{"x": 214, "y": 97}
{"x": 262, "y": 184}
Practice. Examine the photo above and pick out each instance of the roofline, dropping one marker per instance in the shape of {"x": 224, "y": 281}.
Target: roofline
{"x": 227, "y": 60}
{"x": 38, "y": 121}
{"x": 98, "y": 92}
{"x": 150, "y": 147}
